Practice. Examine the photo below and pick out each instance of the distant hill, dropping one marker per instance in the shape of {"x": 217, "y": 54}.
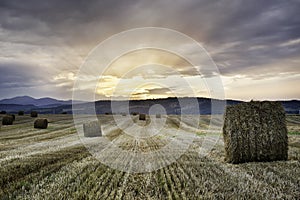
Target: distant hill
{"x": 27, "y": 100}
{"x": 292, "y": 106}
{"x": 171, "y": 105}
{"x": 14, "y": 108}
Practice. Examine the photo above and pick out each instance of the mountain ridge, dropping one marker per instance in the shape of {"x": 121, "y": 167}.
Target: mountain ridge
{"x": 28, "y": 100}
{"x": 171, "y": 104}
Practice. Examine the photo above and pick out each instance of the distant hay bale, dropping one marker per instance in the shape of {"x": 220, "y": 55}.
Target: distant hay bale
{"x": 158, "y": 115}
{"x": 64, "y": 113}
{"x": 3, "y": 112}
{"x": 134, "y": 113}
{"x": 92, "y": 129}
{"x": 123, "y": 114}
{"x": 21, "y": 112}
{"x": 142, "y": 117}
{"x": 255, "y": 131}
{"x": 33, "y": 114}
{"x": 7, "y": 120}
{"x": 13, "y": 116}
{"x": 41, "y": 123}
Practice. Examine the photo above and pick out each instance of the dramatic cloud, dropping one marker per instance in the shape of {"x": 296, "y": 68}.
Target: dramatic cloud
{"x": 255, "y": 44}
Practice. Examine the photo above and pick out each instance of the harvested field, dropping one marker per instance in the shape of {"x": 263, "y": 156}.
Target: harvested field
{"x": 53, "y": 163}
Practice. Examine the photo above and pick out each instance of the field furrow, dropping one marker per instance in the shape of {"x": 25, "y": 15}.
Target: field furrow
{"x": 54, "y": 164}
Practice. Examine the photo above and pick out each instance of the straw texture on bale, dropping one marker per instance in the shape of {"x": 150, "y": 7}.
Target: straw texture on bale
{"x": 33, "y": 114}
{"x": 142, "y": 117}
{"x": 7, "y": 120}
{"x": 255, "y": 131}
{"x": 92, "y": 129}
{"x": 21, "y": 112}
{"x": 41, "y": 123}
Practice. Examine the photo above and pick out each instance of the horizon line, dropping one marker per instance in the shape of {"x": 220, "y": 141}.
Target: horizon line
{"x": 227, "y": 99}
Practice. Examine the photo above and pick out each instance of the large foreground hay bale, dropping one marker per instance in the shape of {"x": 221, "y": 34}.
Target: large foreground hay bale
{"x": 255, "y": 131}
{"x": 92, "y": 129}
{"x": 33, "y": 114}
{"x": 142, "y": 117}
{"x": 41, "y": 123}
{"x": 7, "y": 120}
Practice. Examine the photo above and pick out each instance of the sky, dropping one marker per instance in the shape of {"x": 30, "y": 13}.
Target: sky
{"x": 254, "y": 44}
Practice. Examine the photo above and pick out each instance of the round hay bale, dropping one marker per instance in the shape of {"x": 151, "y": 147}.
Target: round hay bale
{"x": 255, "y": 131}
{"x": 92, "y": 129}
{"x": 41, "y": 123}
{"x": 33, "y": 114}
{"x": 142, "y": 117}
{"x": 13, "y": 116}
{"x": 7, "y": 120}
{"x": 134, "y": 113}
{"x": 21, "y": 112}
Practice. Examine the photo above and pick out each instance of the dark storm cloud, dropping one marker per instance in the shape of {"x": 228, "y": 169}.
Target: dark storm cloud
{"x": 258, "y": 29}
{"x": 15, "y": 75}
{"x": 214, "y": 22}
{"x": 19, "y": 79}
{"x": 243, "y": 37}
{"x": 59, "y": 21}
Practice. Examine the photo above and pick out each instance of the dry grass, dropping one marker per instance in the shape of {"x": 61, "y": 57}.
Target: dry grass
{"x": 52, "y": 163}
{"x": 255, "y": 131}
